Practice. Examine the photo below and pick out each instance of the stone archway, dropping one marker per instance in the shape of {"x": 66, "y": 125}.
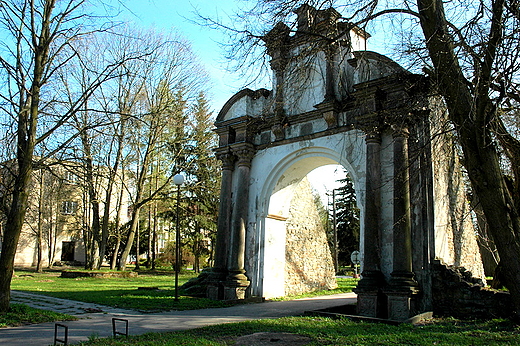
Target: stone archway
{"x": 267, "y": 245}
{"x": 333, "y": 103}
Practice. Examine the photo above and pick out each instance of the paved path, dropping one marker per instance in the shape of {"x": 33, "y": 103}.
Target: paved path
{"x": 100, "y": 323}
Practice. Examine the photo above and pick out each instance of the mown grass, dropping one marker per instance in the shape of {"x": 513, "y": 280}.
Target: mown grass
{"x": 20, "y": 314}
{"x": 326, "y": 331}
{"x": 125, "y": 292}
{"x": 322, "y": 331}
{"x": 115, "y": 292}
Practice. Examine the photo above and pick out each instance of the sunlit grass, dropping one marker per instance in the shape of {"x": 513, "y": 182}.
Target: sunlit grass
{"x": 125, "y": 292}
{"x": 345, "y": 285}
{"x": 115, "y": 292}
{"x": 326, "y": 331}
{"x": 20, "y": 314}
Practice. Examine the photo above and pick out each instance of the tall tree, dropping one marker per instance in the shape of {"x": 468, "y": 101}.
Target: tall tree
{"x": 347, "y": 220}
{"x": 102, "y": 125}
{"x": 36, "y": 45}
{"x": 170, "y": 77}
{"x": 204, "y": 179}
{"x": 151, "y": 127}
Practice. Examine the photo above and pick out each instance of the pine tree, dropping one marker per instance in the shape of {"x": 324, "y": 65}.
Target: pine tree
{"x": 204, "y": 181}
{"x": 347, "y": 221}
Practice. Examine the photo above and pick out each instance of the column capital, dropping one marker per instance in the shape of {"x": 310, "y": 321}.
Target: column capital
{"x": 400, "y": 130}
{"x": 227, "y": 158}
{"x": 244, "y": 153}
{"x": 373, "y": 135}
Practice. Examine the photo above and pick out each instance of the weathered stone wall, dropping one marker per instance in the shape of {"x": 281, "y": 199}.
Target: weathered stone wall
{"x": 457, "y": 293}
{"x": 455, "y": 239}
{"x": 309, "y": 265}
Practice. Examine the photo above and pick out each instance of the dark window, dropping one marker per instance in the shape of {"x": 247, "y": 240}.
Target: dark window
{"x": 67, "y": 250}
{"x": 71, "y": 178}
{"x": 69, "y": 207}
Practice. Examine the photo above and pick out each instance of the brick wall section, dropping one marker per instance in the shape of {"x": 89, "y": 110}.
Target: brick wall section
{"x": 309, "y": 265}
{"x": 456, "y": 293}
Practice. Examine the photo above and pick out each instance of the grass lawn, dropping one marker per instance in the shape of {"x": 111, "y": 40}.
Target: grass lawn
{"x": 326, "y": 331}
{"x": 20, "y": 314}
{"x": 116, "y": 292}
{"x": 124, "y": 292}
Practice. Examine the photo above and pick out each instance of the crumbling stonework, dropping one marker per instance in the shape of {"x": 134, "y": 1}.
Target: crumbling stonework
{"x": 457, "y": 293}
{"x": 309, "y": 265}
{"x": 455, "y": 241}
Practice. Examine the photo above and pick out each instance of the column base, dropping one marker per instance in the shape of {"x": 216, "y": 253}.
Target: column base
{"x": 215, "y": 291}
{"x": 371, "y": 280}
{"x": 370, "y": 301}
{"x": 235, "y": 286}
{"x": 402, "y": 303}
{"x": 215, "y": 287}
{"x": 367, "y": 303}
{"x": 402, "y": 279}
{"x": 402, "y": 295}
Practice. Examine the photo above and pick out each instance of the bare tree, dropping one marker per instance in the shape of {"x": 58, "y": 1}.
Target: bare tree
{"x": 36, "y": 45}
{"x": 166, "y": 80}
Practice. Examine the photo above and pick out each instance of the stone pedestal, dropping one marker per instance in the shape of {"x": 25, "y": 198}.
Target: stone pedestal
{"x": 215, "y": 287}
{"x": 367, "y": 303}
{"x": 401, "y": 303}
{"x": 235, "y": 286}
{"x": 215, "y": 291}
{"x": 369, "y": 297}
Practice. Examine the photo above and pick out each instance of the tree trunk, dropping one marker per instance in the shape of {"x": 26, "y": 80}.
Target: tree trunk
{"x": 488, "y": 249}
{"x": 113, "y": 262}
{"x": 154, "y": 235}
{"x": 130, "y": 239}
{"x": 12, "y": 232}
{"x": 108, "y": 196}
{"x": 26, "y": 140}
{"x": 18, "y": 207}
{"x": 137, "y": 245}
{"x": 150, "y": 236}
{"x": 471, "y": 111}
{"x": 39, "y": 231}
{"x": 94, "y": 256}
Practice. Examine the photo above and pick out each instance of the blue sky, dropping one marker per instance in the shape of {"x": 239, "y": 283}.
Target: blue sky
{"x": 179, "y": 15}
{"x": 176, "y": 14}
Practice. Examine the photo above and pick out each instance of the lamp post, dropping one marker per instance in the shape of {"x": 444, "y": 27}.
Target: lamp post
{"x": 178, "y": 180}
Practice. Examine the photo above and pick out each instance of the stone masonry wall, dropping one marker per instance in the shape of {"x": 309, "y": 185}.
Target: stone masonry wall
{"x": 309, "y": 264}
{"x": 457, "y": 293}
{"x": 455, "y": 239}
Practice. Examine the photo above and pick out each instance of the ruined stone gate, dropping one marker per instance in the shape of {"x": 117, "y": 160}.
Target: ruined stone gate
{"x": 334, "y": 102}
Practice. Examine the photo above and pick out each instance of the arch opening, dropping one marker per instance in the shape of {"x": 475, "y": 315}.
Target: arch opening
{"x": 296, "y": 254}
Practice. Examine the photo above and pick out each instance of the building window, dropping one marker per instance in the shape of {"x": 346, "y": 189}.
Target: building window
{"x": 69, "y": 207}
{"x": 71, "y": 178}
{"x": 67, "y": 251}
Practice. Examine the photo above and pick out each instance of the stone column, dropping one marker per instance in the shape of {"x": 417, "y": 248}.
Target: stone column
{"x": 215, "y": 289}
{"x": 276, "y": 42}
{"x": 403, "y": 286}
{"x": 330, "y": 52}
{"x": 236, "y": 282}
{"x": 368, "y": 289}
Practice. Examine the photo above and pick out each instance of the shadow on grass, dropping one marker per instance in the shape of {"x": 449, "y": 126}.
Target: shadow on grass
{"x": 326, "y": 331}
{"x": 147, "y": 301}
